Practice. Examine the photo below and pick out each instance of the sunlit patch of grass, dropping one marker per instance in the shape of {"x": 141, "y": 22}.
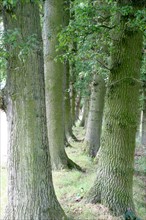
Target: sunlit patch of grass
{"x": 3, "y": 190}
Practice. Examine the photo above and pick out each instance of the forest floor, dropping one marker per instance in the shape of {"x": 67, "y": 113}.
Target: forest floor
{"x": 71, "y": 186}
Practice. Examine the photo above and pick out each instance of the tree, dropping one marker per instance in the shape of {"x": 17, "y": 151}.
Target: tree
{"x": 67, "y": 75}
{"x": 30, "y": 189}
{"x": 54, "y": 78}
{"x": 94, "y": 122}
{"x": 114, "y": 181}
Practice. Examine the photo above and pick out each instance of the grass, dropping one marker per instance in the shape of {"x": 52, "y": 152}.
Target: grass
{"x": 70, "y": 186}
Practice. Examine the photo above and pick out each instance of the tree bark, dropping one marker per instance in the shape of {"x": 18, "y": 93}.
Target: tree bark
{"x": 54, "y": 80}
{"x": 114, "y": 181}
{"x": 31, "y": 194}
{"x": 94, "y": 123}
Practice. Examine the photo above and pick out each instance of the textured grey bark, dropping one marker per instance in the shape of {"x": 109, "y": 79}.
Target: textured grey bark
{"x": 94, "y": 122}
{"x": 31, "y": 194}
{"x": 114, "y": 182}
{"x": 54, "y": 81}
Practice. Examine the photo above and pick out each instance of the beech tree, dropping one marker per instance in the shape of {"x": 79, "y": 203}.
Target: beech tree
{"x": 30, "y": 190}
{"x": 114, "y": 181}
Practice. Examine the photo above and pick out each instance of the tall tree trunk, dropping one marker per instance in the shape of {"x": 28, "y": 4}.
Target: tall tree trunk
{"x": 114, "y": 181}
{"x": 31, "y": 194}
{"x": 94, "y": 123}
{"x": 54, "y": 79}
{"x": 68, "y": 121}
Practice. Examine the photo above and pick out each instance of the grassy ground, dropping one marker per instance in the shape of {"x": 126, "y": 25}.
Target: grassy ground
{"x": 70, "y": 186}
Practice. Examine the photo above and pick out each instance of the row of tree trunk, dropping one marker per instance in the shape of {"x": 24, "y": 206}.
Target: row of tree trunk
{"x": 37, "y": 112}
